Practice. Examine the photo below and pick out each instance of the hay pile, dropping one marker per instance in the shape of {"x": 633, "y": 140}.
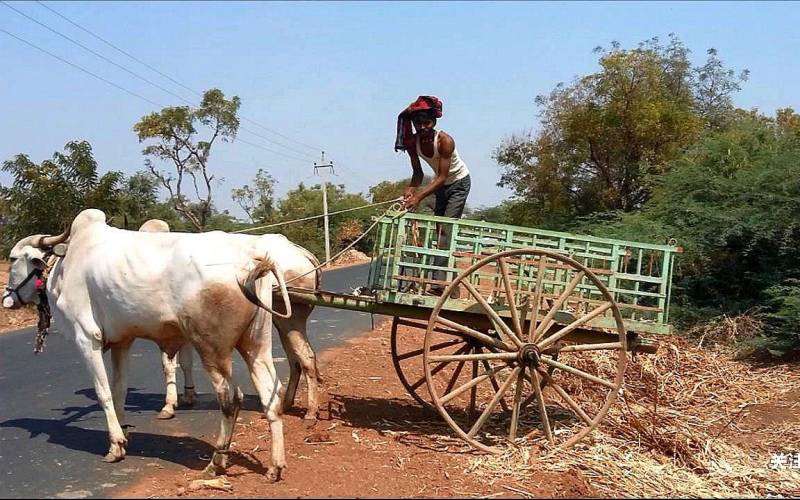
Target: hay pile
{"x": 351, "y": 256}
{"x": 670, "y": 434}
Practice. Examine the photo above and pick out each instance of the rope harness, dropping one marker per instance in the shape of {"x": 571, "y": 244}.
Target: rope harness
{"x": 43, "y": 306}
{"x": 395, "y": 207}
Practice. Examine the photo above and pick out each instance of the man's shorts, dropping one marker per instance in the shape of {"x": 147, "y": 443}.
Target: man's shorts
{"x": 452, "y": 198}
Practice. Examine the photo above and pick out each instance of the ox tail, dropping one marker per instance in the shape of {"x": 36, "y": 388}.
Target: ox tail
{"x": 264, "y": 266}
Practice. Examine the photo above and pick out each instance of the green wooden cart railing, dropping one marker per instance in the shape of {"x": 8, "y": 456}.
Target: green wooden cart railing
{"x": 527, "y": 318}
{"x": 638, "y": 274}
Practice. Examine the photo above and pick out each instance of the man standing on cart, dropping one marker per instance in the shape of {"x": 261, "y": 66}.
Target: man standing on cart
{"x": 451, "y": 182}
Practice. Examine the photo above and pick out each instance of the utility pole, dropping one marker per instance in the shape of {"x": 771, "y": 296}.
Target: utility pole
{"x": 317, "y": 168}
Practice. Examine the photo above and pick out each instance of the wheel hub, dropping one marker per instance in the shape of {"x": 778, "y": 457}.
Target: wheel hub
{"x": 529, "y": 354}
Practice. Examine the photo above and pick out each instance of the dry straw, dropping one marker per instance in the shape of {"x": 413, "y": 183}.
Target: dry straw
{"x": 674, "y": 431}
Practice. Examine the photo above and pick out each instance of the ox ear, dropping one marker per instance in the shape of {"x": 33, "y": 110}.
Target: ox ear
{"x": 60, "y": 250}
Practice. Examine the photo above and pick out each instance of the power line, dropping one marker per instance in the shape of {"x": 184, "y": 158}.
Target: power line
{"x": 248, "y": 120}
{"x": 116, "y": 48}
{"x": 81, "y": 69}
{"x": 190, "y": 103}
{"x": 270, "y": 150}
{"x": 109, "y": 82}
{"x": 278, "y": 143}
{"x": 84, "y": 47}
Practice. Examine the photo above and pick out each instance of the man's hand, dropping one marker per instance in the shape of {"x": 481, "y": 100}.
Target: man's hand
{"x": 409, "y": 192}
{"x": 411, "y": 204}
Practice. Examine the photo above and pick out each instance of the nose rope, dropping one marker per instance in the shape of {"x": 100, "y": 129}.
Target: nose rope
{"x": 37, "y": 273}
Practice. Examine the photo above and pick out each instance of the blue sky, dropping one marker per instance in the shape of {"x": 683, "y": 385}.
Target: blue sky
{"x": 334, "y": 75}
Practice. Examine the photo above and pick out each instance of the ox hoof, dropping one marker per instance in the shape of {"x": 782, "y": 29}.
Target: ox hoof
{"x": 274, "y": 474}
{"x": 114, "y": 455}
{"x": 189, "y": 398}
{"x": 166, "y": 413}
{"x": 309, "y": 422}
{"x": 211, "y": 471}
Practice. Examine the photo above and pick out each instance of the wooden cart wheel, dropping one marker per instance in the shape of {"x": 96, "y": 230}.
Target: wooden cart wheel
{"x": 408, "y": 361}
{"x": 540, "y": 374}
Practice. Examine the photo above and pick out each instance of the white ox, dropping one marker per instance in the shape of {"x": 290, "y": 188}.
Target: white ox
{"x": 114, "y": 286}
{"x": 298, "y": 265}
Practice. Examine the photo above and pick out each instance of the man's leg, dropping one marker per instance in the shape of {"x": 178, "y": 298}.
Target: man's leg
{"x": 455, "y": 199}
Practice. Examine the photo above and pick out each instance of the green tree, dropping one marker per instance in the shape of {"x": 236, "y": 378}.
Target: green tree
{"x": 174, "y": 130}
{"x": 731, "y": 200}
{"x": 306, "y": 201}
{"x": 257, "y": 201}
{"x": 608, "y": 135}
{"x": 43, "y": 198}
{"x": 138, "y": 197}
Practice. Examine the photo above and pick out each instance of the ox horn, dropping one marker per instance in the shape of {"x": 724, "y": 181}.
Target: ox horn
{"x": 249, "y": 287}
{"x": 51, "y": 241}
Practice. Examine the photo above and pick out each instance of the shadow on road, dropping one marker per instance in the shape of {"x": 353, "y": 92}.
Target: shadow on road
{"x": 183, "y": 450}
{"x": 137, "y": 401}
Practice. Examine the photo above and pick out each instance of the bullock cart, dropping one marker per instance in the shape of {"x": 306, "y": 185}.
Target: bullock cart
{"x": 531, "y": 336}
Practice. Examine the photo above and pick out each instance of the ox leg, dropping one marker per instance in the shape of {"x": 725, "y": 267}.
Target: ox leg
{"x": 258, "y": 356}
{"x": 301, "y": 356}
{"x": 119, "y": 391}
{"x": 91, "y": 348}
{"x": 230, "y": 401}
{"x": 170, "y": 379}
{"x": 186, "y": 359}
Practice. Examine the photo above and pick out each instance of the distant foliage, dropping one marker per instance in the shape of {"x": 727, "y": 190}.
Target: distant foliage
{"x": 607, "y": 137}
{"x": 173, "y": 135}
{"x": 732, "y": 201}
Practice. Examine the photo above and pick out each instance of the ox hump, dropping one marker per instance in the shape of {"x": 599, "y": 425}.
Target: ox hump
{"x": 88, "y": 217}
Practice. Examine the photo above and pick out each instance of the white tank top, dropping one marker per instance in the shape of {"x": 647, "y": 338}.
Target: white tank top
{"x": 458, "y": 169}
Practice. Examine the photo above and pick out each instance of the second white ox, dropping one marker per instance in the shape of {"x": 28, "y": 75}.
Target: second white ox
{"x": 114, "y": 286}
{"x": 300, "y": 267}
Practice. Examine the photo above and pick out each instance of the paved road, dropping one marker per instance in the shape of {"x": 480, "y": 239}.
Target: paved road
{"x": 53, "y": 433}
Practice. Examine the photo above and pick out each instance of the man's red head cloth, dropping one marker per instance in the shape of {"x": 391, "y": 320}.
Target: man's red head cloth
{"x": 404, "y": 140}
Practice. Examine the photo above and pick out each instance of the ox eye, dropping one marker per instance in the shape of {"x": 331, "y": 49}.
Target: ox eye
{"x": 12, "y": 260}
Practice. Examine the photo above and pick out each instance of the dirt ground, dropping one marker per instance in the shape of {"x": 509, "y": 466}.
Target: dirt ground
{"x": 16, "y": 318}
{"x": 372, "y": 440}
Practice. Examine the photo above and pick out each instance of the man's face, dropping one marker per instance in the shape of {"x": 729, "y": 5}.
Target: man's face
{"x": 424, "y": 124}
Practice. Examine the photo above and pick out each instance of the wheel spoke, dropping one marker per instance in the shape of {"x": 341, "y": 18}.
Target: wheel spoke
{"x": 495, "y": 385}
{"x": 542, "y": 407}
{"x": 496, "y": 319}
{"x": 475, "y": 334}
{"x": 437, "y": 347}
{"x": 436, "y": 369}
{"x": 547, "y": 342}
{"x": 542, "y": 328}
{"x": 454, "y": 378}
{"x": 537, "y": 299}
{"x": 473, "y": 392}
{"x": 512, "y": 431}
{"x": 511, "y": 298}
{"x": 587, "y": 347}
{"x": 567, "y": 399}
{"x": 483, "y": 356}
{"x": 493, "y": 403}
{"x": 579, "y": 373}
{"x": 471, "y": 384}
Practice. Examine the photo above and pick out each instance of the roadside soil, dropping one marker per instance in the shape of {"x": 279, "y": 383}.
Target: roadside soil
{"x": 14, "y": 319}
{"x": 372, "y": 440}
